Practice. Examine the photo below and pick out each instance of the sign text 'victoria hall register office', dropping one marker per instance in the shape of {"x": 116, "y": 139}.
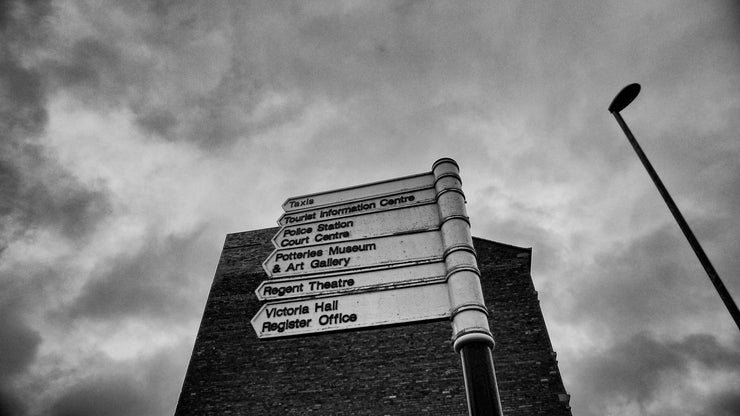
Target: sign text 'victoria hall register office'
{"x": 389, "y": 252}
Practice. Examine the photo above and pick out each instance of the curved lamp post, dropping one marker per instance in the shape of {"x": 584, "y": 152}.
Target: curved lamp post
{"x": 622, "y": 100}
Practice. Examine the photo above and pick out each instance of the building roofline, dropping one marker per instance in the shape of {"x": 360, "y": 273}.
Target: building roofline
{"x": 503, "y": 244}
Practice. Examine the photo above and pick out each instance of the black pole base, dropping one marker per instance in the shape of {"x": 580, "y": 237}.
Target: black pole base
{"x": 480, "y": 380}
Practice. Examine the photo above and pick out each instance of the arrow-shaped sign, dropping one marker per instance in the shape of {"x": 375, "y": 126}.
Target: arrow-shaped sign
{"x": 396, "y": 221}
{"x": 371, "y": 204}
{"x": 279, "y": 289}
{"x": 376, "y": 252}
{"x": 385, "y": 307}
{"x": 354, "y": 193}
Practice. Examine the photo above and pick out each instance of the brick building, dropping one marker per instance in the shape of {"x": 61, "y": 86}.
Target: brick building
{"x": 398, "y": 370}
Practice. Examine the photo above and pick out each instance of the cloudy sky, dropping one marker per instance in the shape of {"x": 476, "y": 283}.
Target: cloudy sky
{"x": 135, "y": 135}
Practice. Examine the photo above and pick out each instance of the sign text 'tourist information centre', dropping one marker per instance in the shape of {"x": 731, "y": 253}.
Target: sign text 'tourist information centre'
{"x": 363, "y": 256}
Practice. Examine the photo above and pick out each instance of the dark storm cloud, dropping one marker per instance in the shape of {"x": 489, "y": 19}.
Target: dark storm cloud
{"x": 18, "y": 347}
{"x": 643, "y": 366}
{"x": 262, "y": 48}
{"x": 160, "y": 122}
{"x": 151, "y": 282}
{"x": 22, "y": 21}
{"x": 646, "y": 286}
{"x": 194, "y": 72}
{"x": 160, "y": 70}
{"x": 726, "y": 403}
{"x": 18, "y": 343}
{"x": 10, "y": 405}
{"x": 35, "y": 190}
{"x": 650, "y": 282}
{"x": 115, "y": 396}
{"x": 22, "y": 105}
{"x": 141, "y": 387}
{"x": 38, "y": 193}
{"x": 91, "y": 66}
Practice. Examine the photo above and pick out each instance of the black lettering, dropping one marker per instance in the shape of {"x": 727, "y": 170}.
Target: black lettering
{"x": 351, "y": 248}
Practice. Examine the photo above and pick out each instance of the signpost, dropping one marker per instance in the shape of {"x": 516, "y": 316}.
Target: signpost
{"x": 389, "y": 252}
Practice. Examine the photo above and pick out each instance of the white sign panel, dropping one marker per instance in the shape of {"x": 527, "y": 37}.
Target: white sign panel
{"x": 279, "y": 289}
{"x": 386, "y": 307}
{"x": 392, "y": 186}
{"x": 403, "y": 220}
{"x": 370, "y": 204}
{"x": 376, "y": 252}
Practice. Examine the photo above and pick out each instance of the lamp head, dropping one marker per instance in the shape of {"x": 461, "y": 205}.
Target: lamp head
{"x": 624, "y": 98}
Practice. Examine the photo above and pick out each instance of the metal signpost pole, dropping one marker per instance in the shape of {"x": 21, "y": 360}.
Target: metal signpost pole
{"x": 471, "y": 336}
{"x": 622, "y": 100}
{"x": 480, "y": 379}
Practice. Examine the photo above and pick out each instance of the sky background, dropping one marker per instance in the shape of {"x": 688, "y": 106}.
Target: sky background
{"x": 135, "y": 135}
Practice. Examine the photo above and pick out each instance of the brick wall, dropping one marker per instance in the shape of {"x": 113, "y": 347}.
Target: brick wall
{"x": 400, "y": 370}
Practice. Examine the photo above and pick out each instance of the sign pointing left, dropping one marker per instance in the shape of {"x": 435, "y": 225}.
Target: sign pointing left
{"x": 376, "y": 252}
{"x": 353, "y": 193}
{"x": 302, "y": 287}
{"x": 386, "y": 307}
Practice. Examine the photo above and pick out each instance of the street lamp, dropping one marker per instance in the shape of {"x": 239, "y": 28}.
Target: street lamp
{"x": 622, "y": 100}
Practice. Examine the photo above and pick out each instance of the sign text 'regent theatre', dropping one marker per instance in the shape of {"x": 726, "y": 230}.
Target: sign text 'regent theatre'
{"x": 353, "y": 281}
